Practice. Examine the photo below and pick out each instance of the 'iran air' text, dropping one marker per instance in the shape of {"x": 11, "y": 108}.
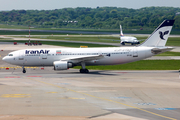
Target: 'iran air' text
{"x": 37, "y": 51}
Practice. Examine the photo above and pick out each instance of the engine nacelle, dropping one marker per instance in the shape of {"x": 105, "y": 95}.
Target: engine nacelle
{"x": 62, "y": 65}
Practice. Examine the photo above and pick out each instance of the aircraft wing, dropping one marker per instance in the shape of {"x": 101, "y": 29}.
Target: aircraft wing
{"x": 83, "y": 58}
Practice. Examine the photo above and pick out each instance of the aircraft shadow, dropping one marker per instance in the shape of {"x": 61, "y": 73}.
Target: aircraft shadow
{"x": 90, "y": 73}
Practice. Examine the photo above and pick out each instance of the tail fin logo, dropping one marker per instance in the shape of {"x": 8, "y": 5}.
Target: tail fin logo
{"x": 162, "y": 34}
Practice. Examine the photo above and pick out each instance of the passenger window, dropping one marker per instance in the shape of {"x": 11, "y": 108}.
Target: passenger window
{"x": 10, "y": 54}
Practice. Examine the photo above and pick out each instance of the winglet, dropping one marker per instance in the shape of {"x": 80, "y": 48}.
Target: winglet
{"x": 159, "y": 37}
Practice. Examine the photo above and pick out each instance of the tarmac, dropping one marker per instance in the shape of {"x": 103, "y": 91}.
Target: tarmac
{"x": 45, "y": 94}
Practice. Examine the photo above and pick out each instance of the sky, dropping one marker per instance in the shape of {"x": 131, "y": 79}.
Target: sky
{"x": 59, "y": 4}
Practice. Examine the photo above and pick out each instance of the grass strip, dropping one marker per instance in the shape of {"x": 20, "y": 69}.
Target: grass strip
{"x": 140, "y": 65}
{"x": 169, "y": 53}
{"x": 82, "y": 38}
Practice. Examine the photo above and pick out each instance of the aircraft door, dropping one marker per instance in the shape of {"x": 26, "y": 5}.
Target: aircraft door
{"x": 21, "y": 57}
{"x": 44, "y": 56}
{"x": 43, "y": 59}
{"x": 135, "y": 52}
{"x": 100, "y": 53}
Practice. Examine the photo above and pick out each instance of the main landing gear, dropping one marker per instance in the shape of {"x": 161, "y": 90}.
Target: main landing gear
{"x": 83, "y": 70}
{"x": 24, "y": 70}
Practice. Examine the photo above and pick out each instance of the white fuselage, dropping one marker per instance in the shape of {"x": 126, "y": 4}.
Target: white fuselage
{"x": 127, "y": 39}
{"x": 46, "y": 57}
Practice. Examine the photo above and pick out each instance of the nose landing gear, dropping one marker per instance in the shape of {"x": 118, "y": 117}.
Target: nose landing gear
{"x": 24, "y": 70}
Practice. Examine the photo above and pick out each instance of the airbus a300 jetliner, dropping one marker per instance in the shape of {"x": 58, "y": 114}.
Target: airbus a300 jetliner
{"x": 62, "y": 59}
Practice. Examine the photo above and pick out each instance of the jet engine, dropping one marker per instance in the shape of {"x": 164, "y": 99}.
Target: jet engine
{"x": 62, "y": 65}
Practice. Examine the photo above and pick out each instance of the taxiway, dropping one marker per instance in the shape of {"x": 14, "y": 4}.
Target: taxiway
{"x": 118, "y": 95}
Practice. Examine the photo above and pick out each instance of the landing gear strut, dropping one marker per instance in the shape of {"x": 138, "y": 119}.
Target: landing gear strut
{"x": 83, "y": 70}
{"x": 24, "y": 70}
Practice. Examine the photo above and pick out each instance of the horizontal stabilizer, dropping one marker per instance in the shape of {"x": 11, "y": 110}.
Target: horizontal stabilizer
{"x": 161, "y": 50}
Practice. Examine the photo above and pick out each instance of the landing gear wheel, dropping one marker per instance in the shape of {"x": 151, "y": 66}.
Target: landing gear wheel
{"x": 81, "y": 70}
{"x": 24, "y": 71}
{"x": 84, "y": 71}
{"x": 122, "y": 43}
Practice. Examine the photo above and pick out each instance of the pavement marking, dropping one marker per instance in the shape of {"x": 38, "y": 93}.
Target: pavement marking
{"x": 77, "y": 98}
{"x": 62, "y": 83}
{"x": 105, "y": 99}
{"x": 19, "y": 67}
{"x": 33, "y": 76}
{"x": 165, "y": 108}
{"x": 73, "y": 98}
{"x": 52, "y": 92}
{"x": 99, "y": 91}
{"x": 13, "y": 77}
{"x": 4, "y": 47}
{"x": 121, "y": 97}
{"x": 144, "y": 103}
{"x": 6, "y": 116}
{"x": 15, "y": 95}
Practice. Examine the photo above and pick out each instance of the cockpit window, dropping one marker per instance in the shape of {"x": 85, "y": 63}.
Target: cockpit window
{"x": 10, "y": 55}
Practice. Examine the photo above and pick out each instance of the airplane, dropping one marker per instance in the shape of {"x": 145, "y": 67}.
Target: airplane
{"x": 127, "y": 39}
{"x": 65, "y": 58}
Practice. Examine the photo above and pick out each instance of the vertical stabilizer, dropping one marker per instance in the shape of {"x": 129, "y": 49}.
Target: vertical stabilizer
{"x": 159, "y": 37}
{"x": 121, "y": 33}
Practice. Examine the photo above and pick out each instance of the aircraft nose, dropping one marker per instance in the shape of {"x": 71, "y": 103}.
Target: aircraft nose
{"x": 6, "y": 59}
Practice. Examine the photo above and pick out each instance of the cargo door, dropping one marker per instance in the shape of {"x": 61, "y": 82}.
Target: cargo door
{"x": 135, "y": 52}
